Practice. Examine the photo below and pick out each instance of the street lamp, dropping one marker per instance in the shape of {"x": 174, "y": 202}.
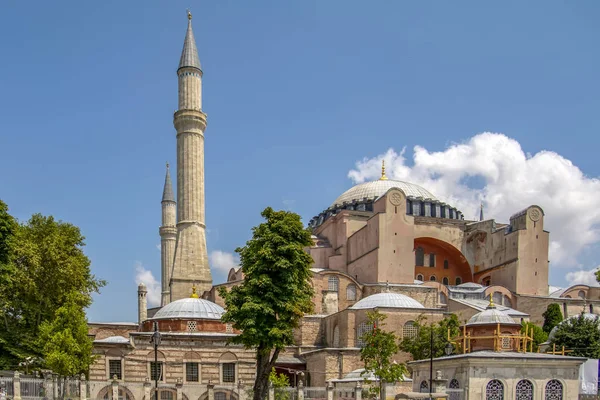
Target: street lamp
{"x": 448, "y": 349}
{"x": 156, "y": 337}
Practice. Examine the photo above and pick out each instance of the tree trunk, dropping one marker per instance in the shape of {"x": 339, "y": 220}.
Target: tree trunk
{"x": 264, "y": 364}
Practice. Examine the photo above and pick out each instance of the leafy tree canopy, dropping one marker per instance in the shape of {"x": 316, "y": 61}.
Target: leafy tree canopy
{"x": 380, "y": 346}
{"x": 539, "y": 336}
{"x": 276, "y": 291}
{"x": 552, "y": 317}
{"x": 581, "y": 335}
{"x": 419, "y": 345}
{"x": 42, "y": 268}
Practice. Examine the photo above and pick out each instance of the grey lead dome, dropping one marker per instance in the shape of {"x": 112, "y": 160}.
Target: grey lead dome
{"x": 379, "y": 188}
{"x": 190, "y": 308}
{"x": 189, "y": 55}
{"x": 386, "y": 300}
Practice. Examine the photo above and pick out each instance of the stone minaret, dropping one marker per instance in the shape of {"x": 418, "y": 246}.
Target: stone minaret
{"x": 191, "y": 259}
{"x": 168, "y": 234}
{"x": 142, "y": 303}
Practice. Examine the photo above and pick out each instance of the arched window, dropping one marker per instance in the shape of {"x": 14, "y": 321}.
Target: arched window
{"x": 454, "y": 392}
{"x": 409, "y": 329}
{"x": 432, "y": 260}
{"x": 507, "y": 301}
{"x": 419, "y": 257}
{"x": 581, "y": 294}
{"x": 554, "y": 390}
{"x": 228, "y": 362}
{"x": 424, "y": 388}
{"x": 334, "y": 283}
{"x": 458, "y": 280}
{"x": 494, "y": 390}
{"x": 524, "y": 390}
{"x": 443, "y": 297}
{"x": 106, "y": 394}
{"x": 336, "y": 337}
{"x": 362, "y": 329}
{"x": 445, "y": 281}
{"x": 432, "y": 278}
{"x": 446, "y": 264}
{"x": 497, "y": 298}
{"x": 420, "y": 277}
{"x": 351, "y": 292}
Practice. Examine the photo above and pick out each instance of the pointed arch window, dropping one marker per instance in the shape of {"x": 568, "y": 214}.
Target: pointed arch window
{"x": 524, "y": 390}
{"x": 494, "y": 390}
{"x": 424, "y": 387}
{"x": 454, "y": 392}
{"x": 554, "y": 390}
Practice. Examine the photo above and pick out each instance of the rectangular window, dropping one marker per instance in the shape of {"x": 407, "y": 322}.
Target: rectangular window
{"x": 191, "y": 372}
{"x": 432, "y": 260}
{"x": 228, "y": 372}
{"x": 114, "y": 369}
{"x": 156, "y": 371}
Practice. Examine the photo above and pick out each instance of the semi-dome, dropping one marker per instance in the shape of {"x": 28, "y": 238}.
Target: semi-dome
{"x": 190, "y": 308}
{"x": 553, "y": 331}
{"x": 379, "y": 188}
{"x": 491, "y": 315}
{"x": 386, "y": 300}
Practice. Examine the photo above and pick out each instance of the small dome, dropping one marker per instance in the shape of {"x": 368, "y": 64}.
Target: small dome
{"x": 553, "y": 331}
{"x": 491, "y": 315}
{"x": 142, "y": 285}
{"x": 113, "y": 340}
{"x": 386, "y": 300}
{"x": 379, "y": 188}
{"x": 190, "y": 308}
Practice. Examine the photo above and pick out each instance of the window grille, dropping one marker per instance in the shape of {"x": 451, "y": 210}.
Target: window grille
{"x": 409, "y": 330}
{"x": 220, "y": 396}
{"x": 191, "y": 372}
{"x": 156, "y": 371}
{"x": 334, "y": 283}
{"x": 192, "y": 326}
{"x": 228, "y": 328}
{"x": 506, "y": 343}
{"x": 454, "y": 392}
{"x": 494, "y": 390}
{"x": 114, "y": 368}
{"x": 554, "y": 390}
{"x": 458, "y": 280}
{"x": 228, "y": 372}
{"x": 362, "y": 329}
{"x": 524, "y": 390}
{"x": 166, "y": 395}
{"x": 424, "y": 387}
{"x": 351, "y": 292}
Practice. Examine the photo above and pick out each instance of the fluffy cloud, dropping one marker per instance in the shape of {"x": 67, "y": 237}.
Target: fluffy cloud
{"x": 145, "y": 276}
{"x": 493, "y": 168}
{"x": 587, "y": 277}
{"x": 222, "y": 261}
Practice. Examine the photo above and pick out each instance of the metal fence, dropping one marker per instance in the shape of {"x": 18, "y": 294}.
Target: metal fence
{"x": 32, "y": 389}
{"x": 286, "y": 393}
{"x": 589, "y": 397}
{"x": 6, "y": 385}
{"x": 455, "y": 394}
{"x": 343, "y": 393}
{"x": 316, "y": 393}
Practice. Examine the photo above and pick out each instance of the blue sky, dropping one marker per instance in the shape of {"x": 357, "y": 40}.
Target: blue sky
{"x": 296, "y": 93}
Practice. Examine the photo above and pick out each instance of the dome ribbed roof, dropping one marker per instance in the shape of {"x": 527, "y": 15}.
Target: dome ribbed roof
{"x": 387, "y": 300}
{"x": 379, "y": 188}
{"x": 190, "y": 308}
{"x": 491, "y": 315}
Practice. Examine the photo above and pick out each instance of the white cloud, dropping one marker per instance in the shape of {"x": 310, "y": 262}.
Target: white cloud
{"x": 222, "y": 261}
{"x": 145, "y": 276}
{"x": 511, "y": 180}
{"x": 158, "y": 247}
{"x": 586, "y": 277}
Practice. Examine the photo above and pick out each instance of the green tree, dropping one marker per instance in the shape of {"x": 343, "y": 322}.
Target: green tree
{"x": 275, "y": 293}
{"x": 379, "y": 348}
{"x": 44, "y": 266}
{"x": 539, "y": 336}
{"x": 279, "y": 381}
{"x": 64, "y": 340}
{"x": 419, "y": 345}
{"x": 552, "y": 317}
{"x": 581, "y": 335}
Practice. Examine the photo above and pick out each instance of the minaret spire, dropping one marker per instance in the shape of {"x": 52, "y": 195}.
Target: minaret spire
{"x": 481, "y": 212}
{"x": 168, "y": 189}
{"x": 168, "y": 234}
{"x": 189, "y": 54}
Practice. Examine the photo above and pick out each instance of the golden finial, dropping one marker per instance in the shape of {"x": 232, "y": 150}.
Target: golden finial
{"x": 383, "y": 177}
{"x": 167, "y": 165}
{"x": 194, "y": 294}
{"x": 491, "y": 305}
{"x": 189, "y": 15}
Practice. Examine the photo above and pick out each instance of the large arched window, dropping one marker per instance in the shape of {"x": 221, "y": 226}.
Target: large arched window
{"x": 454, "y": 392}
{"x": 494, "y": 390}
{"x": 333, "y": 283}
{"x": 581, "y": 294}
{"x": 362, "y": 329}
{"x": 497, "y": 298}
{"x": 409, "y": 329}
{"x": 554, "y": 390}
{"x": 424, "y": 388}
{"x": 524, "y": 390}
{"x": 351, "y": 292}
{"x": 419, "y": 257}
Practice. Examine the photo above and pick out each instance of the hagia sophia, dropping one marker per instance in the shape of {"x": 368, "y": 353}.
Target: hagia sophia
{"x": 387, "y": 245}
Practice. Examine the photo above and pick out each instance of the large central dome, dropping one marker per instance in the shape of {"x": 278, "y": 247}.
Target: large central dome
{"x": 379, "y": 188}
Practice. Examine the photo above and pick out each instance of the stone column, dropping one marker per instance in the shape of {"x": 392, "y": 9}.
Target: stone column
{"x": 179, "y": 387}
{"x": 329, "y": 390}
{"x": 439, "y": 384}
{"x": 241, "y": 391}
{"x": 211, "y": 390}
{"x": 115, "y": 388}
{"x": 17, "y": 386}
{"x": 358, "y": 391}
{"x": 300, "y": 388}
{"x": 271, "y": 391}
{"x": 82, "y": 387}
{"x": 54, "y": 386}
{"x": 48, "y": 388}
{"x": 147, "y": 389}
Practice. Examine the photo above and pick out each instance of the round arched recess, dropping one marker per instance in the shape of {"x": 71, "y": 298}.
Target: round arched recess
{"x": 434, "y": 257}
